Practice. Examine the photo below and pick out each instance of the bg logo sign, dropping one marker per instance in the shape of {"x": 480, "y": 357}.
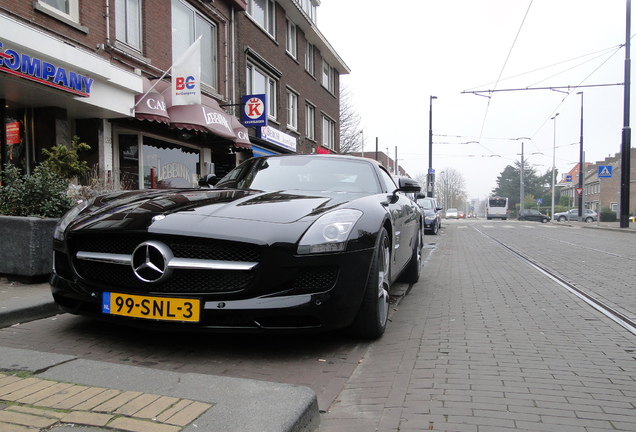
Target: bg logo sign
{"x": 185, "y": 83}
{"x": 254, "y": 110}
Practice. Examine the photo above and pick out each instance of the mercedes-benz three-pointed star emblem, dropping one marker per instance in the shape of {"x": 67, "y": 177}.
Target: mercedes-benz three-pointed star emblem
{"x": 150, "y": 261}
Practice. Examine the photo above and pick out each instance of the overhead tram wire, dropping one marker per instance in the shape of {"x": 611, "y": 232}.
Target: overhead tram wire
{"x": 483, "y": 123}
{"x": 614, "y": 50}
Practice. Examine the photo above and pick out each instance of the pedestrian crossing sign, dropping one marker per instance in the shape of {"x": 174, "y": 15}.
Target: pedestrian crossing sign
{"x": 604, "y": 171}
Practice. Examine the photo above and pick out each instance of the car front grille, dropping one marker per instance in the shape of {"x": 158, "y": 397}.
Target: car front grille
{"x": 187, "y": 281}
{"x": 120, "y": 275}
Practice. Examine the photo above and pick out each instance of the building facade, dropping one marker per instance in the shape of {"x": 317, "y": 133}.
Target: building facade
{"x": 603, "y": 192}
{"x": 102, "y": 71}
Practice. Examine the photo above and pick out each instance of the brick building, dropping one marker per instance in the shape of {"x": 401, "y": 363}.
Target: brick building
{"x": 101, "y": 71}
{"x": 603, "y": 193}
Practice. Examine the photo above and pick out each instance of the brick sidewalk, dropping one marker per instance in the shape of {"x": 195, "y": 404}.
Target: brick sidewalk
{"x": 483, "y": 343}
{"x": 30, "y": 404}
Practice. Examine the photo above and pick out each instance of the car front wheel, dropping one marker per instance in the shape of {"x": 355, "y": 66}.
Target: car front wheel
{"x": 561, "y": 218}
{"x": 545, "y": 220}
{"x": 374, "y": 310}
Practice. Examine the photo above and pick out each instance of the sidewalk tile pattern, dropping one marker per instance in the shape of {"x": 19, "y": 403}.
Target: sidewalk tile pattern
{"x": 33, "y": 404}
{"x": 484, "y": 344}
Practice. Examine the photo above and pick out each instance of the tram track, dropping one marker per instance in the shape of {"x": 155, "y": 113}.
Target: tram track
{"x": 601, "y": 306}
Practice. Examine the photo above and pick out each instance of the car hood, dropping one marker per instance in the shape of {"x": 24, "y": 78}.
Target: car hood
{"x": 176, "y": 210}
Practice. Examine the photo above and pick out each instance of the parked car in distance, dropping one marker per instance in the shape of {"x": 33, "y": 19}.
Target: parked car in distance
{"x": 283, "y": 243}
{"x": 452, "y": 213}
{"x": 533, "y": 215}
{"x": 432, "y": 214}
{"x": 573, "y": 215}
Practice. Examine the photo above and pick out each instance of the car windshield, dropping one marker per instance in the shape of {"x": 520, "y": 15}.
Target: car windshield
{"x": 303, "y": 173}
{"x": 426, "y": 204}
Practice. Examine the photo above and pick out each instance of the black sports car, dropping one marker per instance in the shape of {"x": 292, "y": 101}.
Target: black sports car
{"x": 284, "y": 243}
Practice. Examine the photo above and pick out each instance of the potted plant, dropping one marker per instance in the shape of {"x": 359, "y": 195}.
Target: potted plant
{"x": 30, "y": 206}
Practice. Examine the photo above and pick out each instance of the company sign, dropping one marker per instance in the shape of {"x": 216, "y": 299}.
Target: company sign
{"x": 254, "y": 110}
{"x": 24, "y": 66}
{"x": 277, "y": 137}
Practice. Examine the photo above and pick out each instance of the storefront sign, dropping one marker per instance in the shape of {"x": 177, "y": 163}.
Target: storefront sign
{"x": 277, "y": 137}
{"x": 34, "y": 69}
{"x": 254, "y": 110}
{"x": 13, "y": 133}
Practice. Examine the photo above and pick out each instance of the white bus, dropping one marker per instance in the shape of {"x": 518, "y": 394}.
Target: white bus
{"x": 497, "y": 207}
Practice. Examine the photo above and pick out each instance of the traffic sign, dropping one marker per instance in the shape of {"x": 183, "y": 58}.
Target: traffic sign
{"x": 579, "y": 191}
{"x": 539, "y": 201}
{"x": 605, "y": 171}
{"x": 568, "y": 178}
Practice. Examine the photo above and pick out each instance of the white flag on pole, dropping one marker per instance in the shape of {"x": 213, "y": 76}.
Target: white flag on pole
{"x": 186, "y": 76}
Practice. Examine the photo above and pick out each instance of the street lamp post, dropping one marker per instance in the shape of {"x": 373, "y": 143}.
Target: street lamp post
{"x": 553, "y": 164}
{"x": 430, "y": 187}
{"x": 521, "y": 185}
{"x": 581, "y": 162}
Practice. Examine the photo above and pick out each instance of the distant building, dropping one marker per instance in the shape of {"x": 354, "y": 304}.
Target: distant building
{"x": 603, "y": 193}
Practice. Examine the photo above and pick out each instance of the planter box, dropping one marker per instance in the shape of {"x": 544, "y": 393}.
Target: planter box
{"x": 26, "y": 248}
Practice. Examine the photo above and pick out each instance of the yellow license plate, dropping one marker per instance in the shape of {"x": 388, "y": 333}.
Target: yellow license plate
{"x": 157, "y": 308}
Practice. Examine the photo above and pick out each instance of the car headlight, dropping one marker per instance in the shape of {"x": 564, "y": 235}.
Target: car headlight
{"x": 58, "y": 234}
{"x": 330, "y": 232}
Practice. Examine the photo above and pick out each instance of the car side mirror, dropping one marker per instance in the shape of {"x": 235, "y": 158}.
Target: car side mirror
{"x": 208, "y": 180}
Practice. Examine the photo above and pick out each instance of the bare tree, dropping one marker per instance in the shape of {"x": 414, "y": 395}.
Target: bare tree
{"x": 450, "y": 188}
{"x": 351, "y": 134}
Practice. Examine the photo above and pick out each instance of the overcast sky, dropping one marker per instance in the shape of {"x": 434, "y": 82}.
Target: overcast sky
{"x": 400, "y": 56}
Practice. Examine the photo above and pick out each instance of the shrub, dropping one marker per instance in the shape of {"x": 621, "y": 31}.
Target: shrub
{"x": 607, "y": 215}
{"x": 64, "y": 160}
{"x": 41, "y": 194}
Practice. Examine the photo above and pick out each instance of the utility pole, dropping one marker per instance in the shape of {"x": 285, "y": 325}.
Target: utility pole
{"x": 430, "y": 187}
{"x": 626, "y": 143}
{"x": 581, "y": 165}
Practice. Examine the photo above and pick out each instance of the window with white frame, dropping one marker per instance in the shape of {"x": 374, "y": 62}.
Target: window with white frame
{"x": 66, "y": 8}
{"x": 259, "y": 82}
{"x": 292, "y": 110}
{"x": 263, "y": 12}
{"x": 309, "y": 58}
{"x": 187, "y": 25}
{"x": 309, "y": 6}
{"x": 310, "y": 121}
{"x": 290, "y": 39}
{"x": 328, "y": 77}
{"x": 328, "y": 132}
{"x": 128, "y": 22}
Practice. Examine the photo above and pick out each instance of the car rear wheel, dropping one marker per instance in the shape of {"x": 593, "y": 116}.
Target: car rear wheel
{"x": 435, "y": 229}
{"x": 589, "y": 219}
{"x": 374, "y": 310}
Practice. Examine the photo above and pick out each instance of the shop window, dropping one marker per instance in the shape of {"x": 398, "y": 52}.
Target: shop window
{"x": 167, "y": 165}
{"x": 128, "y": 22}
{"x": 188, "y": 25}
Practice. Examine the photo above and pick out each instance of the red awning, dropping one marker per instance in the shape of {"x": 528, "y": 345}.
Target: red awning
{"x": 207, "y": 117}
{"x": 151, "y": 105}
{"x": 242, "y": 137}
